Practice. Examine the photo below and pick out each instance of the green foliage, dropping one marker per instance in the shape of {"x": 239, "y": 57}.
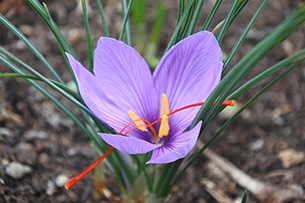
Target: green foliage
{"x": 245, "y": 197}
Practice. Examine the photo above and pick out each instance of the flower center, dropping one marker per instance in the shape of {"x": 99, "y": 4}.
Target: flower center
{"x": 142, "y": 124}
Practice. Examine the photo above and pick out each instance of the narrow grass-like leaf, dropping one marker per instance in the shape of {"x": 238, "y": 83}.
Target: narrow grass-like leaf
{"x": 186, "y": 20}
{"x": 243, "y": 36}
{"x": 89, "y": 38}
{"x": 31, "y": 47}
{"x": 181, "y": 8}
{"x": 125, "y": 25}
{"x": 32, "y": 77}
{"x": 103, "y": 19}
{"x": 194, "y": 18}
{"x": 245, "y": 197}
{"x": 16, "y": 75}
{"x": 211, "y": 15}
{"x": 235, "y": 9}
{"x": 174, "y": 39}
{"x": 163, "y": 185}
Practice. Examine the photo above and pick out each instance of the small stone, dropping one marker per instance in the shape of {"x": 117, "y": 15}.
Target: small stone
{"x": 17, "y": 170}
{"x": 71, "y": 151}
{"x": 74, "y": 35}
{"x": 5, "y": 162}
{"x": 27, "y": 29}
{"x": 25, "y": 153}
{"x": 61, "y": 180}
{"x": 278, "y": 120}
{"x": 50, "y": 188}
{"x": 2, "y": 181}
{"x": 38, "y": 183}
{"x": 5, "y": 131}
{"x": 43, "y": 159}
{"x": 288, "y": 47}
{"x": 36, "y": 134}
{"x": 257, "y": 145}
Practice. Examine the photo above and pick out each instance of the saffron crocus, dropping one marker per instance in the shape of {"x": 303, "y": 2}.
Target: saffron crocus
{"x": 122, "y": 92}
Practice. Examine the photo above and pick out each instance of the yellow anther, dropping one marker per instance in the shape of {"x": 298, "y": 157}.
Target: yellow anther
{"x": 137, "y": 121}
{"x": 164, "y": 126}
{"x": 164, "y": 106}
{"x": 164, "y": 111}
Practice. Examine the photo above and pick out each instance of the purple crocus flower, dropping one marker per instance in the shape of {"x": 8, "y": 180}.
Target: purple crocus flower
{"x": 123, "y": 91}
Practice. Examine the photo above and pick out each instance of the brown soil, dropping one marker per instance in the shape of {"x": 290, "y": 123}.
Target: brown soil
{"x": 34, "y": 132}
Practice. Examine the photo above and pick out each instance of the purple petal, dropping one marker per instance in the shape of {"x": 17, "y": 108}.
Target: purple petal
{"x": 125, "y": 77}
{"x": 130, "y": 145}
{"x": 177, "y": 147}
{"x": 95, "y": 99}
{"x": 189, "y": 72}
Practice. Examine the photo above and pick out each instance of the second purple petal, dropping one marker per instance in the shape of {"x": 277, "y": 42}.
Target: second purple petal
{"x": 189, "y": 72}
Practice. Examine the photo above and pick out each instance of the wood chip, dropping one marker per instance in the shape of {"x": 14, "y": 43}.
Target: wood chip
{"x": 291, "y": 157}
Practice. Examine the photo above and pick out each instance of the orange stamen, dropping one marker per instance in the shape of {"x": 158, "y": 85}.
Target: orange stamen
{"x": 70, "y": 183}
{"x": 164, "y": 106}
{"x": 146, "y": 124}
{"x": 137, "y": 121}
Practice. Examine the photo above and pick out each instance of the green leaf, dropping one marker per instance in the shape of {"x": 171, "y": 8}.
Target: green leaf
{"x": 103, "y": 19}
{"x": 211, "y": 15}
{"x": 245, "y": 197}
{"x": 125, "y": 25}
{"x": 244, "y": 35}
{"x": 89, "y": 38}
{"x": 235, "y": 9}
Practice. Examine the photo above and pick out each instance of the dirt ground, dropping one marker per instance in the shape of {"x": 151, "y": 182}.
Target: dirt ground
{"x": 267, "y": 142}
